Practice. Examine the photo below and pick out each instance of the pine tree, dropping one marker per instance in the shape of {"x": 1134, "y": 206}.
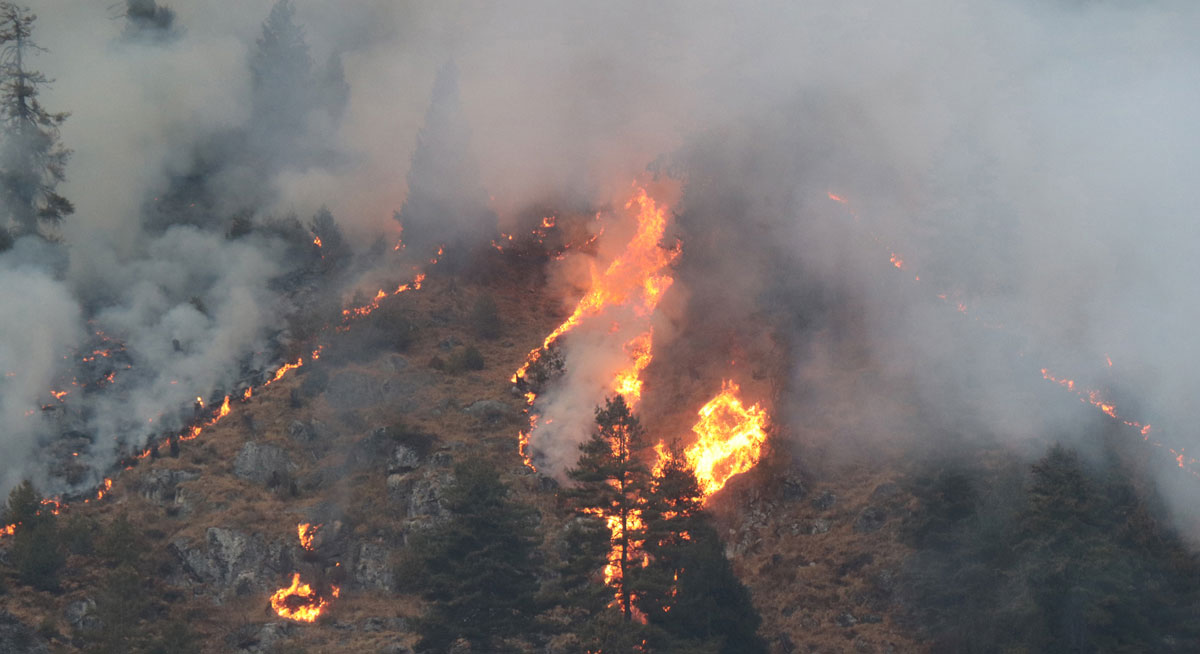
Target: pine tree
{"x": 476, "y": 569}
{"x": 281, "y": 81}
{"x": 446, "y": 204}
{"x": 36, "y": 547}
{"x": 147, "y": 20}
{"x": 32, "y": 160}
{"x": 688, "y": 590}
{"x": 613, "y": 482}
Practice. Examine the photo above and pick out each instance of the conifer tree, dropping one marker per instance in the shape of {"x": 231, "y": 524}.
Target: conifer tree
{"x": 688, "y": 590}
{"x": 612, "y": 481}
{"x": 446, "y": 204}
{"x": 281, "y": 74}
{"x": 476, "y": 569}
{"x": 32, "y": 160}
{"x": 148, "y": 20}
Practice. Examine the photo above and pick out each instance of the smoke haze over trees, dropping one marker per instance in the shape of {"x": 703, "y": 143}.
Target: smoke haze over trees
{"x": 920, "y": 212}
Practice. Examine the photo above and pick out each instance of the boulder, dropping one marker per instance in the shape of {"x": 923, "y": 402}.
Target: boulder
{"x": 263, "y": 464}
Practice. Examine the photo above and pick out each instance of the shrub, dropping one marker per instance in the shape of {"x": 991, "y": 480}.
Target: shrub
{"x": 468, "y": 358}
{"x": 484, "y": 319}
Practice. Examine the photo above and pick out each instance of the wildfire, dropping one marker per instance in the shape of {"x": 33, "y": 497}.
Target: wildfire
{"x": 350, "y": 313}
{"x": 316, "y": 240}
{"x": 729, "y": 439}
{"x": 638, "y": 276}
{"x": 299, "y": 601}
{"x": 306, "y": 532}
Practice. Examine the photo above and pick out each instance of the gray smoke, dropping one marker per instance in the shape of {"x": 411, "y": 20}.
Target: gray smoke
{"x": 1033, "y": 161}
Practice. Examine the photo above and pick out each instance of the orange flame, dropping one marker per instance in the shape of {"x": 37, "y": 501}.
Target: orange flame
{"x": 729, "y": 439}
{"x": 307, "y": 532}
{"x": 298, "y": 601}
{"x": 638, "y": 273}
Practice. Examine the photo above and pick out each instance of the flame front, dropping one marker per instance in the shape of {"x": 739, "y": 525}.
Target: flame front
{"x": 299, "y": 601}
{"x": 638, "y": 278}
{"x": 729, "y": 439}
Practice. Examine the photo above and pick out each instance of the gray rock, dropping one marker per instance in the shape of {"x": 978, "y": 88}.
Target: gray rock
{"x": 232, "y": 563}
{"x": 372, "y": 568}
{"x": 300, "y": 431}
{"x": 794, "y": 488}
{"x": 449, "y": 343}
{"x": 403, "y": 459}
{"x": 871, "y": 519}
{"x": 426, "y": 497}
{"x": 161, "y": 486}
{"x": 81, "y": 615}
{"x": 818, "y": 526}
{"x": 16, "y": 637}
{"x": 824, "y": 501}
{"x": 263, "y": 464}
{"x": 398, "y": 362}
{"x": 846, "y": 620}
{"x": 491, "y": 410}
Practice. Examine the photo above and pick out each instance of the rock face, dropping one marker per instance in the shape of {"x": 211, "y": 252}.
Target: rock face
{"x": 81, "y": 615}
{"x": 161, "y": 486}
{"x": 16, "y": 637}
{"x": 232, "y": 563}
{"x": 403, "y": 459}
{"x": 263, "y": 464}
{"x": 372, "y": 567}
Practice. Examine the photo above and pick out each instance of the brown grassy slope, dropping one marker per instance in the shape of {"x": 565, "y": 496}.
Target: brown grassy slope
{"x": 800, "y": 582}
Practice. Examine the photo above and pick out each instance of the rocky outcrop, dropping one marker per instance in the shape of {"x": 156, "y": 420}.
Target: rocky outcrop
{"x": 263, "y": 464}
{"x": 81, "y": 615}
{"x": 372, "y": 567}
{"x": 231, "y": 563}
{"x": 162, "y": 486}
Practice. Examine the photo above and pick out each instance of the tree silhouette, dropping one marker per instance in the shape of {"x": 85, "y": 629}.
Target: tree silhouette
{"x": 32, "y": 160}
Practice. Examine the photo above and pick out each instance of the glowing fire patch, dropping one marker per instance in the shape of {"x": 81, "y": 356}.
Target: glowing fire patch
{"x": 307, "y": 532}
{"x": 729, "y": 439}
{"x": 299, "y": 601}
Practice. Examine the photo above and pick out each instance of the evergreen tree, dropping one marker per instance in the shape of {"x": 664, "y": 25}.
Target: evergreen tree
{"x": 281, "y": 75}
{"x": 32, "y": 160}
{"x": 148, "y": 20}
{"x": 613, "y": 482}
{"x": 446, "y": 204}
{"x": 333, "y": 249}
{"x": 476, "y": 569}
{"x": 688, "y": 589}
{"x": 23, "y": 504}
{"x": 36, "y": 547}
